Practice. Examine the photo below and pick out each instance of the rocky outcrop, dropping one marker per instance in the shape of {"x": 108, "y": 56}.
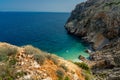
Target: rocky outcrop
{"x": 107, "y": 61}
{"x": 95, "y": 21}
{"x": 105, "y": 64}
{"x": 98, "y": 22}
{"x": 29, "y": 63}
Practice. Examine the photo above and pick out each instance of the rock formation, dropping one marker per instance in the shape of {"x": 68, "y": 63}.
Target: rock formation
{"x": 96, "y": 21}
{"x": 107, "y": 61}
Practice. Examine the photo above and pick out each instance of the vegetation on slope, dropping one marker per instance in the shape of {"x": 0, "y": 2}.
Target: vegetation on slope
{"x": 86, "y": 70}
{"x": 27, "y": 62}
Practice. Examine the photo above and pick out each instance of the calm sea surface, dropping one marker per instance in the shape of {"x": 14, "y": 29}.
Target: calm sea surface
{"x": 43, "y": 30}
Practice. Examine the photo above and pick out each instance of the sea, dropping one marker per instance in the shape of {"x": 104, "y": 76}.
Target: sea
{"x": 44, "y": 30}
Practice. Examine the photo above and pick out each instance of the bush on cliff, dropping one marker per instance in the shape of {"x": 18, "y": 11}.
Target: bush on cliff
{"x": 60, "y": 73}
{"x": 6, "y": 51}
{"x": 86, "y": 70}
{"x": 39, "y": 58}
{"x": 83, "y": 66}
{"x": 38, "y": 55}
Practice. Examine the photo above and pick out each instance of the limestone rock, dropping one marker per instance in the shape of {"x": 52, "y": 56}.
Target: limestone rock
{"x": 96, "y": 20}
{"x": 107, "y": 61}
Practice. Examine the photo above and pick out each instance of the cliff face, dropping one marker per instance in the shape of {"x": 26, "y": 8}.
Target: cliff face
{"x": 96, "y": 21}
{"x": 29, "y": 63}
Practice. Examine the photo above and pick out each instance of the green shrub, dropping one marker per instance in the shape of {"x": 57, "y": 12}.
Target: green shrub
{"x": 12, "y": 61}
{"x": 87, "y": 75}
{"x": 20, "y": 74}
{"x": 60, "y": 78}
{"x": 83, "y": 66}
{"x": 38, "y": 55}
{"x": 3, "y": 57}
{"x": 54, "y": 58}
{"x": 0, "y": 78}
{"x": 66, "y": 78}
{"x": 64, "y": 67}
{"x": 60, "y": 74}
{"x": 39, "y": 58}
{"x": 31, "y": 50}
{"x": 6, "y": 72}
{"x": 8, "y": 50}
{"x": 86, "y": 70}
{"x": 8, "y": 78}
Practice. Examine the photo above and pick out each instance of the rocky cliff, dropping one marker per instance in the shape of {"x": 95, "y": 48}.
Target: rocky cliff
{"x": 107, "y": 62}
{"x": 29, "y": 63}
{"x": 96, "y": 21}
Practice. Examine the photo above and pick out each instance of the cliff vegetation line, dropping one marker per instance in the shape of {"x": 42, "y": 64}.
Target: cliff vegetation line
{"x": 29, "y": 63}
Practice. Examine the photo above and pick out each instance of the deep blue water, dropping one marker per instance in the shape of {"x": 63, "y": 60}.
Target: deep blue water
{"x": 43, "y": 30}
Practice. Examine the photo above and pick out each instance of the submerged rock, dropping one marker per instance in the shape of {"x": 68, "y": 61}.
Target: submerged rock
{"x": 88, "y": 51}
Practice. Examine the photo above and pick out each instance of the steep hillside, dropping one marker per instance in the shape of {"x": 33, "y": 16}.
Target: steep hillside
{"x": 105, "y": 64}
{"x": 29, "y": 63}
{"x": 96, "y": 21}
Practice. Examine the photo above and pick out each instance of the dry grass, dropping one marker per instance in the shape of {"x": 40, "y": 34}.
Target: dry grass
{"x": 38, "y": 55}
{"x": 64, "y": 67}
{"x": 53, "y": 57}
{"x": 6, "y": 51}
{"x": 56, "y": 67}
{"x": 31, "y": 50}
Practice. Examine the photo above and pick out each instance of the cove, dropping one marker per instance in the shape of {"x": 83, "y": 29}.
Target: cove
{"x": 43, "y": 30}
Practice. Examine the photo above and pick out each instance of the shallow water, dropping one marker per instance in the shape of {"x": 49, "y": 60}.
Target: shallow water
{"x": 43, "y": 30}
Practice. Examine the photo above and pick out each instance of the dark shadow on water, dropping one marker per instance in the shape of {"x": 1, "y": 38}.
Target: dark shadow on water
{"x": 78, "y": 39}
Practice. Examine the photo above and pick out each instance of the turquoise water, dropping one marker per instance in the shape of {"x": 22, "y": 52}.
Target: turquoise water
{"x": 43, "y": 30}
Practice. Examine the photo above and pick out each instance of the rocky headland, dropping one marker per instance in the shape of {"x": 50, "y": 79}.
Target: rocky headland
{"x": 98, "y": 22}
{"x": 95, "y": 21}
